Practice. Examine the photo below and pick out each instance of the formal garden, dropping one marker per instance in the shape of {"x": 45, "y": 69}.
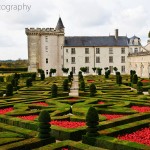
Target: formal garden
{"x": 111, "y": 112}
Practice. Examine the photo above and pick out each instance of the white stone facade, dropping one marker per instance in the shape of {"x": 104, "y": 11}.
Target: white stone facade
{"x": 140, "y": 62}
{"x": 49, "y": 48}
{"x": 96, "y": 59}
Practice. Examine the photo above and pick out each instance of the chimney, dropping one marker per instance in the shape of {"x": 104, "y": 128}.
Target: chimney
{"x": 116, "y": 34}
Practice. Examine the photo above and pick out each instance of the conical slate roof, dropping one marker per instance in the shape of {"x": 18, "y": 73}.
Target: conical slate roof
{"x": 59, "y": 25}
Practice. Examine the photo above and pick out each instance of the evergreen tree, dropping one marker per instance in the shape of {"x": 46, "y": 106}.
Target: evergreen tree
{"x": 65, "y": 85}
{"x": 92, "y": 121}
{"x": 9, "y": 90}
{"x": 92, "y": 89}
{"x": 29, "y": 82}
{"x": 44, "y": 125}
{"x": 54, "y": 90}
{"x": 42, "y": 76}
{"x": 82, "y": 85}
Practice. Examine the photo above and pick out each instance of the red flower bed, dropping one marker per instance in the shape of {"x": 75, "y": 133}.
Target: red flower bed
{"x": 112, "y": 116}
{"x": 90, "y": 81}
{"x": 101, "y": 102}
{"x": 30, "y": 117}
{"x": 64, "y": 149}
{"x": 141, "y": 136}
{"x": 41, "y": 104}
{"x": 5, "y": 110}
{"x": 141, "y": 108}
{"x": 145, "y": 81}
{"x": 73, "y": 99}
{"x": 67, "y": 124}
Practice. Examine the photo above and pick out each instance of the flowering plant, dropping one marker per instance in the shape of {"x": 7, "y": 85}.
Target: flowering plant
{"x": 112, "y": 116}
{"x": 41, "y": 103}
{"x": 141, "y": 108}
{"x": 141, "y": 136}
{"x": 67, "y": 124}
{"x": 5, "y": 110}
{"x": 29, "y": 117}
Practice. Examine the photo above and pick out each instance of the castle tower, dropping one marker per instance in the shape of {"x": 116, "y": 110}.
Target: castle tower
{"x": 45, "y": 48}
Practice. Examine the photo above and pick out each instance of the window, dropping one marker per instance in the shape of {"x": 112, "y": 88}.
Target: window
{"x": 136, "y": 50}
{"x": 97, "y": 50}
{"x": 46, "y": 38}
{"x": 46, "y": 60}
{"x": 110, "y": 59}
{"x": 111, "y": 69}
{"x": 46, "y": 71}
{"x": 110, "y": 50}
{"x": 66, "y": 60}
{"x": 73, "y": 60}
{"x": 97, "y": 59}
{"x": 86, "y": 50}
{"x": 46, "y": 48}
{"x": 122, "y": 59}
{"x": 73, "y": 69}
{"x": 66, "y": 50}
{"x": 73, "y": 51}
{"x": 123, "y": 50}
{"x": 123, "y": 69}
{"x": 86, "y": 59}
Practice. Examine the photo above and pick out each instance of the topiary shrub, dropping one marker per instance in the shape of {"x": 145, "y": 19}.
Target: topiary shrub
{"x": 1, "y": 79}
{"x": 65, "y": 85}
{"x": 33, "y": 76}
{"x": 134, "y": 79}
{"x": 29, "y": 82}
{"x": 92, "y": 89}
{"x": 54, "y": 90}
{"x": 44, "y": 125}
{"x": 82, "y": 85}
{"x": 92, "y": 121}
{"x": 69, "y": 78}
{"x": 139, "y": 87}
{"x": 119, "y": 79}
{"x": 9, "y": 90}
{"x": 99, "y": 71}
{"x": 42, "y": 76}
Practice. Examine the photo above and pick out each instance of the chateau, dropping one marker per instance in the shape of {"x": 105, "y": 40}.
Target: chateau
{"x": 50, "y": 48}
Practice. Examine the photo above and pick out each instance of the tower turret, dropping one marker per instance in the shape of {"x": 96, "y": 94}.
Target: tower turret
{"x": 59, "y": 25}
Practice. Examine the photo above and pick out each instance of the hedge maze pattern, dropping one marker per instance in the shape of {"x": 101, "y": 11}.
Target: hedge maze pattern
{"x": 121, "y": 111}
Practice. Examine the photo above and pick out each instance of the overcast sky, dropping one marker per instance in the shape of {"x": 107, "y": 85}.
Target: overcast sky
{"x": 80, "y": 17}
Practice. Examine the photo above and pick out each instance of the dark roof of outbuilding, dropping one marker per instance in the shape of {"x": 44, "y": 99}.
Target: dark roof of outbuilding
{"x": 59, "y": 24}
{"x": 89, "y": 41}
{"x": 134, "y": 37}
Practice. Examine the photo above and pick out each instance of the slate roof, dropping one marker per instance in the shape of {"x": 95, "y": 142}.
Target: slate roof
{"x": 97, "y": 41}
{"x": 134, "y": 37}
{"x": 59, "y": 24}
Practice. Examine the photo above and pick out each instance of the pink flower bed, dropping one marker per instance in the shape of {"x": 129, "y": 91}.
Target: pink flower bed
{"x": 141, "y": 108}
{"x": 112, "y": 116}
{"x": 101, "y": 103}
{"x": 68, "y": 124}
{"x": 90, "y": 81}
{"x": 5, "y": 110}
{"x": 64, "y": 149}
{"x": 41, "y": 104}
{"x": 141, "y": 136}
{"x": 30, "y": 117}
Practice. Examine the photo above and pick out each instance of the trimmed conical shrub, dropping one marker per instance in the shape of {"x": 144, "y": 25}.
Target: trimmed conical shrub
{"x": 44, "y": 125}
{"x": 65, "y": 85}
{"x": 54, "y": 90}
{"x": 9, "y": 90}
{"x": 92, "y": 121}
{"x": 92, "y": 89}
